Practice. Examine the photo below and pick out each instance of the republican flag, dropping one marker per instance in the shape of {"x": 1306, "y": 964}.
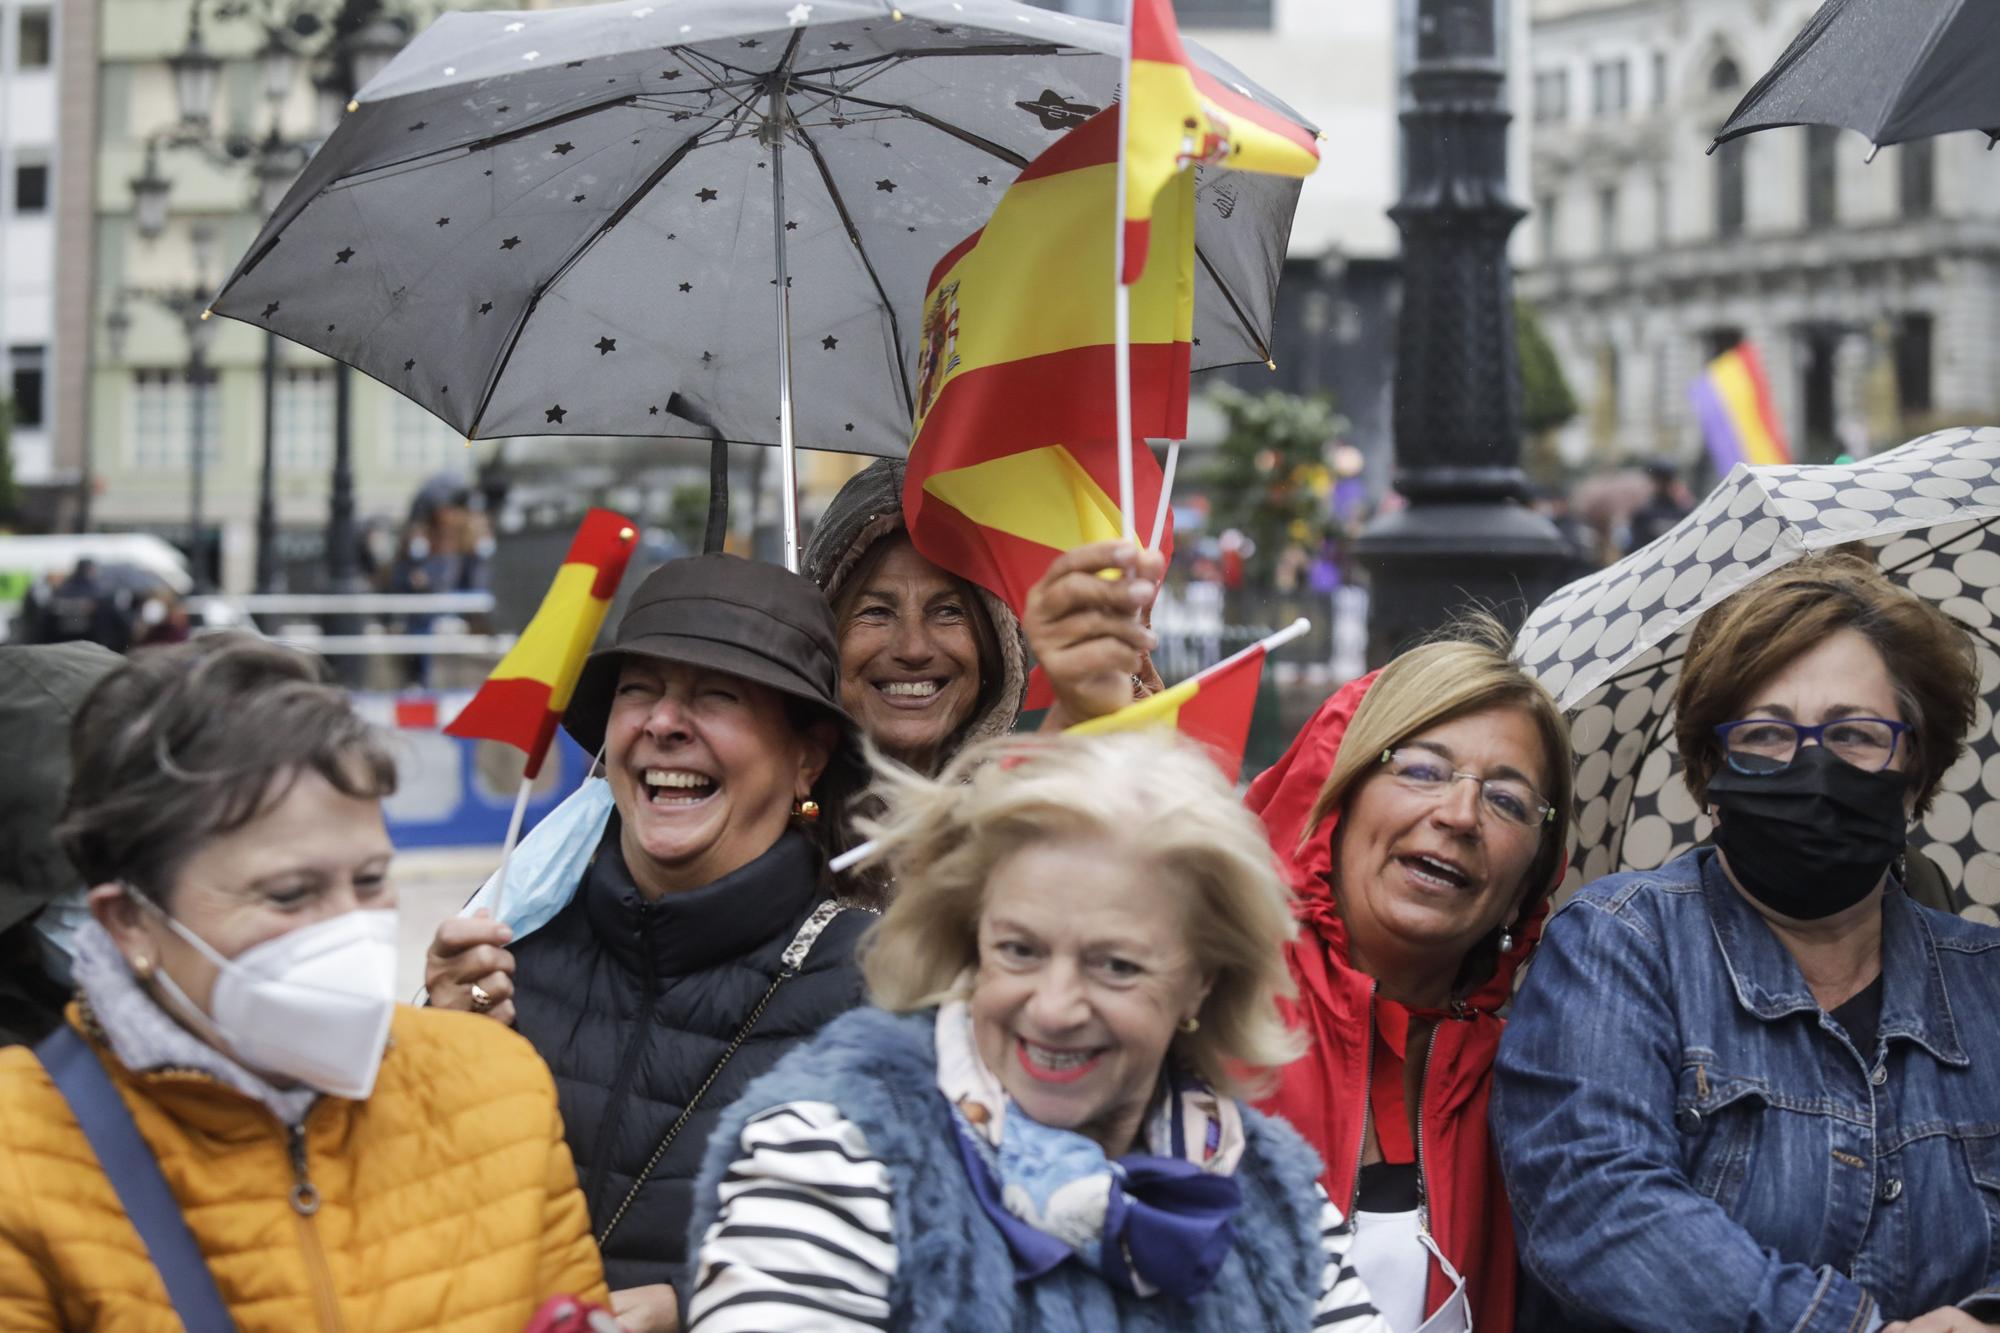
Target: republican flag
{"x": 1732, "y": 399}
{"x": 1178, "y": 114}
{"x": 1014, "y": 456}
{"x": 1212, "y": 707}
{"x": 523, "y": 700}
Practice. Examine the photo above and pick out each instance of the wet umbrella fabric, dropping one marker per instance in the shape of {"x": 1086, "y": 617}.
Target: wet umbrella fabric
{"x": 1893, "y": 70}
{"x": 550, "y": 222}
{"x": 1609, "y": 646}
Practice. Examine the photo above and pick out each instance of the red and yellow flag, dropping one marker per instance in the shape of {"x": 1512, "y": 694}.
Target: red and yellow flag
{"x": 1179, "y": 114}
{"x": 1212, "y": 707}
{"x": 523, "y": 700}
{"x": 1014, "y": 457}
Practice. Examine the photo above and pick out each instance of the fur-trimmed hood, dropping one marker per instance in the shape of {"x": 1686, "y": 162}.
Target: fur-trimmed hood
{"x": 866, "y": 510}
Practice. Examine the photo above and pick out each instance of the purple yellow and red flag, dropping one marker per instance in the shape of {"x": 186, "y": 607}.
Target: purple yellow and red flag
{"x": 523, "y": 699}
{"x": 1014, "y": 458}
{"x": 1732, "y": 399}
{"x": 1177, "y": 114}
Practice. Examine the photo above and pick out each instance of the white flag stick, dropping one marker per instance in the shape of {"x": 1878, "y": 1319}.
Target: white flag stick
{"x": 507, "y": 847}
{"x": 1165, "y": 506}
{"x": 1269, "y": 643}
{"x": 1121, "y": 308}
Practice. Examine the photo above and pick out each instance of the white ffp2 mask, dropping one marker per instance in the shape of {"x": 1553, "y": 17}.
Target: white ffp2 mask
{"x": 311, "y": 1005}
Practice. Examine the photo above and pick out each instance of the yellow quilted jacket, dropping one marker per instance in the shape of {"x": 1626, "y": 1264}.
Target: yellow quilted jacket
{"x": 445, "y": 1201}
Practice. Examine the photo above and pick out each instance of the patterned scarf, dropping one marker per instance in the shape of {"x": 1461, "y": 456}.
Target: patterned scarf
{"x": 1148, "y": 1222}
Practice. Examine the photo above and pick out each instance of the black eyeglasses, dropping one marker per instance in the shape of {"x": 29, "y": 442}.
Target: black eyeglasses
{"x": 1512, "y": 799}
{"x": 1758, "y": 746}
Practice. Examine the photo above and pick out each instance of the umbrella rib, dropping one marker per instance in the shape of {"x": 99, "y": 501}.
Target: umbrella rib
{"x": 1235, "y": 308}
{"x": 983, "y": 144}
{"x": 611, "y": 220}
{"x": 1930, "y": 551}
{"x": 867, "y": 264}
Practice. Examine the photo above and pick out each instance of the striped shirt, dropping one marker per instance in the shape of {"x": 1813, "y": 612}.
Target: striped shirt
{"x": 803, "y": 1238}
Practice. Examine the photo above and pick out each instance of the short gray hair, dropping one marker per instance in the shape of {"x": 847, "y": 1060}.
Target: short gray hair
{"x": 1149, "y": 792}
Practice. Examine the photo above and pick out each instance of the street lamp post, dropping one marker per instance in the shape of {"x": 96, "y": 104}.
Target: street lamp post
{"x": 1465, "y": 538}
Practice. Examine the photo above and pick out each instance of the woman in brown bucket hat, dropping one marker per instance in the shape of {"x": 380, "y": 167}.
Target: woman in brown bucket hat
{"x": 702, "y": 941}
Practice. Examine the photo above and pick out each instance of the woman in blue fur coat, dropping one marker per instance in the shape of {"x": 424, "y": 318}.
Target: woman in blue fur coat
{"x": 1040, "y": 1124}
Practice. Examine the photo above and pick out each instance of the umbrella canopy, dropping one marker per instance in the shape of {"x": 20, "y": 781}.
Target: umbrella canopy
{"x": 1894, "y": 70}
{"x": 552, "y": 222}
{"x": 1609, "y": 646}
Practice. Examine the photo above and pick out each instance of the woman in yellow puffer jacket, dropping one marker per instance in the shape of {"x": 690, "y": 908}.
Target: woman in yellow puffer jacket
{"x": 342, "y": 1162}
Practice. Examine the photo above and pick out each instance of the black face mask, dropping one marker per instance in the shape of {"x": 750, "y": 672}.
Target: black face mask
{"x": 1814, "y": 839}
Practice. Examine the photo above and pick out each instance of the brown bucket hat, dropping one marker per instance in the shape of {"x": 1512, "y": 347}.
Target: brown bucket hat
{"x": 744, "y": 617}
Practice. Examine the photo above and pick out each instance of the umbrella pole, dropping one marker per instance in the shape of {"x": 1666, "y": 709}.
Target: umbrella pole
{"x": 788, "y": 463}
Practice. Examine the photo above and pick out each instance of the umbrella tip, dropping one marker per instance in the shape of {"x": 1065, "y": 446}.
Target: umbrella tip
{"x": 626, "y": 534}
{"x": 895, "y": 16}
{"x": 1270, "y": 364}
{"x": 1873, "y": 149}
{"x": 352, "y": 107}
{"x": 206, "y": 313}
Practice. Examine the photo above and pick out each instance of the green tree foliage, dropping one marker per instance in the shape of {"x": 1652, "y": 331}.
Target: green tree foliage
{"x": 1269, "y": 478}
{"x": 1546, "y": 401}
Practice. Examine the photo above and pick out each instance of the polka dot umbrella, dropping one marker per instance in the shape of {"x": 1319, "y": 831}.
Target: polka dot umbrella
{"x": 1609, "y": 646}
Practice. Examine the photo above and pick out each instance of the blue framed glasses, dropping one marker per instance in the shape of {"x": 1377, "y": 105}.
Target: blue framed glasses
{"x": 1762, "y": 745}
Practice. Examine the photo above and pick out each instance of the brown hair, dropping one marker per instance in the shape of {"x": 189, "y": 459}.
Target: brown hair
{"x": 1466, "y": 670}
{"x": 1154, "y": 796}
{"x": 186, "y": 743}
{"x": 1742, "y": 642}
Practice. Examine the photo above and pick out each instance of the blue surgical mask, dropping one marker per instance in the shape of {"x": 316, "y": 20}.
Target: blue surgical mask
{"x": 547, "y": 867}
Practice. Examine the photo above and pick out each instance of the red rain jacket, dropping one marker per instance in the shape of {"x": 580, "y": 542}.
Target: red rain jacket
{"x": 1324, "y": 1094}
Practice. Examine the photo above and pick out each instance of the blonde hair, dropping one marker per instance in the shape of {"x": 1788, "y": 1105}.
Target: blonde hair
{"x": 1153, "y": 795}
{"x": 1441, "y": 681}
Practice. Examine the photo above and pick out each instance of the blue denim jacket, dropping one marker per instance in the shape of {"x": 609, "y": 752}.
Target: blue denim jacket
{"x": 1689, "y": 1143}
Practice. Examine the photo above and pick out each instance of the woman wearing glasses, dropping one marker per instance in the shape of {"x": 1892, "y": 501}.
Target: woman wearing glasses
{"x": 1759, "y": 1087}
{"x": 1423, "y": 814}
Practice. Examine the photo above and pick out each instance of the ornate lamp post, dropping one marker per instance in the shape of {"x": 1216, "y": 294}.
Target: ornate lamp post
{"x": 1465, "y": 537}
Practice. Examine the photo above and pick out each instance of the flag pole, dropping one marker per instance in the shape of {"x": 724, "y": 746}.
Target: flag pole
{"x": 788, "y": 463}
{"x": 1165, "y": 506}
{"x": 507, "y": 847}
{"x": 1121, "y": 309}
{"x": 1269, "y": 643}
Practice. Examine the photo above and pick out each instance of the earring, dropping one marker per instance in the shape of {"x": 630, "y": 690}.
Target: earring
{"x": 1506, "y": 939}
{"x": 1190, "y": 1025}
{"x": 142, "y": 967}
{"x": 806, "y": 809}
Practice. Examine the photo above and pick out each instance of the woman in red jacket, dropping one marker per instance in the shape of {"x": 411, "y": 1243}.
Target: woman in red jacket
{"x": 1423, "y": 815}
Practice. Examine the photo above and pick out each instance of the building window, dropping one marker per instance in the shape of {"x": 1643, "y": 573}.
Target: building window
{"x": 1551, "y": 96}
{"x": 1607, "y": 219}
{"x": 27, "y": 385}
{"x": 1916, "y": 177}
{"x": 1729, "y": 189}
{"x": 1608, "y": 91}
{"x": 37, "y": 39}
{"x": 1219, "y": 13}
{"x": 1723, "y": 76}
{"x": 1913, "y": 364}
{"x": 163, "y": 419}
{"x": 1821, "y": 175}
{"x": 1545, "y": 226}
{"x": 302, "y": 420}
{"x": 419, "y": 441}
{"x": 31, "y": 187}
{"x": 1659, "y": 78}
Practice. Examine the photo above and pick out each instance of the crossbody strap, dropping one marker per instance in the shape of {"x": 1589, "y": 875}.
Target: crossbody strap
{"x": 793, "y": 959}
{"x": 135, "y": 1174}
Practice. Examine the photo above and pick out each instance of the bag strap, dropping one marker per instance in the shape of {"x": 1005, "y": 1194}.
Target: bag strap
{"x": 794, "y": 959}
{"x": 135, "y": 1174}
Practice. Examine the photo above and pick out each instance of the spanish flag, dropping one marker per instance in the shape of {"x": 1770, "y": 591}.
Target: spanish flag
{"x": 1014, "y": 457}
{"x": 523, "y": 700}
{"x": 1212, "y": 707}
{"x": 1179, "y": 114}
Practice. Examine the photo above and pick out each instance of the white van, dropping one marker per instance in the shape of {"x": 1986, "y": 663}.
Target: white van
{"x": 26, "y": 561}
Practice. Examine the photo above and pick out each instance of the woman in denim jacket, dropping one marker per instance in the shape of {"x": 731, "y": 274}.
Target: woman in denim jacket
{"x": 1759, "y": 1088}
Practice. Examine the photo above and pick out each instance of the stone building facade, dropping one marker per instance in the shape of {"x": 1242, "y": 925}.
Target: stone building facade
{"x": 1870, "y": 287}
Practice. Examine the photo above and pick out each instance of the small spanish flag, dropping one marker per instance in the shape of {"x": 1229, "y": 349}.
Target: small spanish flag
{"x": 1014, "y": 457}
{"x": 523, "y": 700}
{"x": 1180, "y": 114}
{"x": 1212, "y": 707}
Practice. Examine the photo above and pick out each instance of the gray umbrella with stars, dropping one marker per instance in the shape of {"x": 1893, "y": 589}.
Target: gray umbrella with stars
{"x": 552, "y": 221}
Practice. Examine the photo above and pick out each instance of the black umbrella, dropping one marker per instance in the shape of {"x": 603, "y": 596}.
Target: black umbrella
{"x": 557, "y": 222}
{"x": 1892, "y": 70}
